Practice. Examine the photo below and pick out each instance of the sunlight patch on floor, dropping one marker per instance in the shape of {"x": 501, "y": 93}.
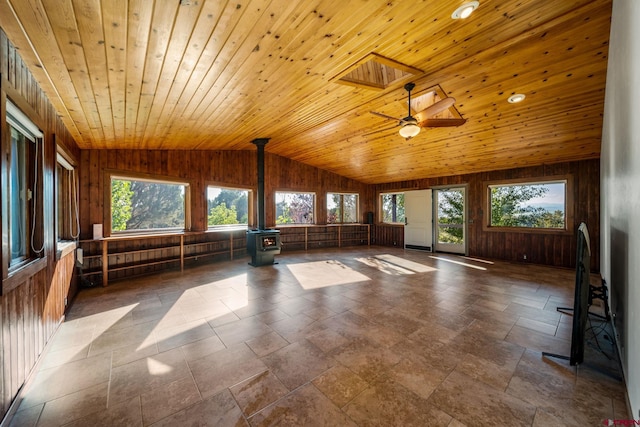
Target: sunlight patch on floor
{"x": 320, "y": 274}
{"x": 458, "y": 262}
{"x": 395, "y": 266}
{"x": 157, "y": 368}
{"x": 405, "y": 263}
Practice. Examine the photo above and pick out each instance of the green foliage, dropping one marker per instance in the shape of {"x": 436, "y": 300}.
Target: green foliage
{"x": 140, "y": 205}
{"x": 509, "y": 208}
{"x": 221, "y": 215}
{"x": 450, "y": 211}
{"x": 121, "y": 196}
{"x": 294, "y": 208}
{"x": 344, "y": 210}
{"x": 393, "y": 208}
{"x": 156, "y": 205}
{"x": 234, "y": 199}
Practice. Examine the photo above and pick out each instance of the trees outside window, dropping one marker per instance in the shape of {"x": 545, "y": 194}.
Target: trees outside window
{"x": 540, "y": 205}
{"x": 392, "y": 207}
{"x": 294, "y": 208}
{"x": 342, "y": 208}
{"x": 227, "y": 206}
{"x": 450, "y": 211}
{"x": 138, "y": 204}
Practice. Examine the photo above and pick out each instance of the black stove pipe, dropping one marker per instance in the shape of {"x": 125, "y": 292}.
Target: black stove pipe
{"x": 260, "y": 143}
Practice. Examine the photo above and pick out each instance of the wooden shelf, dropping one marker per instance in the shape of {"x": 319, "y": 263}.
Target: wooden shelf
{"x": 133, "y": 255}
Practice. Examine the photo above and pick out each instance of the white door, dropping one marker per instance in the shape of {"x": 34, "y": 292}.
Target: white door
{"x": 450, "y": 220}
{"x": 418, "y": 232}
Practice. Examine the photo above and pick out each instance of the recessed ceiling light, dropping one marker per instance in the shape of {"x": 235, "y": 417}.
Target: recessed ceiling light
{"x": 465, "y": 10}
{"x": 518, "y": 97}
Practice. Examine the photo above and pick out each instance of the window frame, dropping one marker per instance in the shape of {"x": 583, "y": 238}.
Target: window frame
{"x": 313, "y": 210}
{"x": 158, "y": 179}
{"x": 341, "y": 207}
{"x": 70, "y": 231}
{"x": 568, "y": 202}
{"x": 33, "y": 210}
{"x": 381, "y": 209}
{"x": 223, "y": 227}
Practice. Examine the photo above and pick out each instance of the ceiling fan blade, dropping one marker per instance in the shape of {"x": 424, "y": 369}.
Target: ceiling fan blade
{"x": 441, "y": 123}
{"x": 434, "y": 109}
{"x": 384, "y": 116}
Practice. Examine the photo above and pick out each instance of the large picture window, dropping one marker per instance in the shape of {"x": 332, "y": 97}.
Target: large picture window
{"x": 294, "y": 208}
{"x": 140, "y": 204}
{"x": 533, "y": 205}
{"x": 227, "y": 207}
{"x": 342, "y": 208}
{"x": 392, "y": 208}
{"x": 26, "y": 158}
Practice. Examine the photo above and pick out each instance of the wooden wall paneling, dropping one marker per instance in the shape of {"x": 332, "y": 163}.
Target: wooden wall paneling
{"x": 32, "y": 309}
{"x": 512, "y": 246}
{"x": 3, "y": 396}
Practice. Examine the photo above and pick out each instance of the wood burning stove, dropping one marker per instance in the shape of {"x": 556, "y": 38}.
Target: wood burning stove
{"x": 262, "y": 244}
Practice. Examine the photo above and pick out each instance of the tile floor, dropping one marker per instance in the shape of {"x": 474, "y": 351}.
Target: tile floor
{"x": 344, "y": 337}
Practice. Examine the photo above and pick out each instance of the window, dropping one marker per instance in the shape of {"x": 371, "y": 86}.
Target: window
{"x": 227, "y": 207}
{"x": 140, "y": 204}
{"x": 294, "y": 208}
{"x": 26, "y": 157}
{"x": 392, "y": 207}
{"x": 537, "y": 205}
{"x": 342, "y": 208}
{"x": 67, "y": 221}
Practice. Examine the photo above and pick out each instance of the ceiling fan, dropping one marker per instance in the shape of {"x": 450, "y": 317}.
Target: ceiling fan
{"x": 411, "y": 125}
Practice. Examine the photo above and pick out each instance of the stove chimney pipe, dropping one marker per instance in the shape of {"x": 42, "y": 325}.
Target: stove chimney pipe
{"x": 260, "y": 143}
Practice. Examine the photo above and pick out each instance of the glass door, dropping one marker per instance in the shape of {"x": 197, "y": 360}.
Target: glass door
{"x": 450, "y": 228}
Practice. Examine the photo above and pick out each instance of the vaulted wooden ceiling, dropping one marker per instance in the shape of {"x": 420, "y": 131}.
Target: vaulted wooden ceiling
{"x": 215, "y": 74}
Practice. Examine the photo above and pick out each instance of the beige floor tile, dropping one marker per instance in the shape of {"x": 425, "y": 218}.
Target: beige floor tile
{"x": 267, "y": 344}
{"x": 127, "y": 413}
{"x": 255, "y": 393}
{"x": 62, "y": 380}
{"x": 340, "y": 385}
{"x": 225, "y": 368}
{"x": 390, "y": 404}
{"x": 216, "y": 411}
{"x": 164, "y": 401}
{"x": 306, "y": 406}
{"x": 145, "y": 374}
{"x": 421, "y": 341}
{"x": 73, "y": 406}
{"x": 202, "y": 348}
{"x": 480, "y": 405}
{"x": 298, "y": 363}
{"x": 366, "y": 359}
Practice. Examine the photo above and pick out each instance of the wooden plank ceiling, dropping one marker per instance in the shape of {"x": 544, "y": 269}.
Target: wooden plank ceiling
{"x": 214, "y": 74}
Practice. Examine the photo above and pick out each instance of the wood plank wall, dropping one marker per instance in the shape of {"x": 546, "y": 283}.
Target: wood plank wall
{"x": 199, "y": 168}
{"x": 31, "y": 310}
{"x": 550, "y": 249}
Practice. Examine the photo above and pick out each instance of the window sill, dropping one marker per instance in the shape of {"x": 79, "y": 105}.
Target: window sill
{"x": 241, "y": 227}
{"x": 64, "y": 248}
{"x": 557, "y": 231}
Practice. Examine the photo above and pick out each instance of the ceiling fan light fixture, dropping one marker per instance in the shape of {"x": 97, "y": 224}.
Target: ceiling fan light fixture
{"x": 465, "y": 10}
{"x": 410, "y": 129}
{"x": 515, "y": 98}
